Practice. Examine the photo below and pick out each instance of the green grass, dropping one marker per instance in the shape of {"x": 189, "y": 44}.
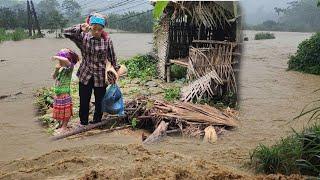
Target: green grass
{"x": 279, "y": 158}
{"x": 297, "y": 153}
{"x": 172, "y": 94}
{"x": 262, "y": 35}
{"x": 307, "y": 57}
{"x": 143, "y": 67}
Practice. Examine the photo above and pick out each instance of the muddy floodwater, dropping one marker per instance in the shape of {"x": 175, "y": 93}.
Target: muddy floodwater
{"x": 270, "y": 97}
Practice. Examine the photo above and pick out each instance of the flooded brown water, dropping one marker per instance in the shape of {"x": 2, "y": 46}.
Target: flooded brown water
{"x": 270, "y": 98}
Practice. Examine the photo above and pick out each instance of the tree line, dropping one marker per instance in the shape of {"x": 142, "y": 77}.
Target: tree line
{"x": 54, "y": 15}
{"x": 132, "y": 21}
{"x": 300, "y": 15}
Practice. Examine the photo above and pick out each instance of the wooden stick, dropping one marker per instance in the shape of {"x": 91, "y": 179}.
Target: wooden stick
{"x": 86, "y": 128}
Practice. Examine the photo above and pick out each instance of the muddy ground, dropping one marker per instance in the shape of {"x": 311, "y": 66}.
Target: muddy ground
{"x": 270, "y": 97}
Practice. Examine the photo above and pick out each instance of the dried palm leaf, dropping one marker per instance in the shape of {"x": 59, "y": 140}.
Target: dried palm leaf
{"x": 205, "y": 85}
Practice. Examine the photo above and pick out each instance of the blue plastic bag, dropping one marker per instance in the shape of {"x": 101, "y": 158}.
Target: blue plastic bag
{"x": 112, "y": 101}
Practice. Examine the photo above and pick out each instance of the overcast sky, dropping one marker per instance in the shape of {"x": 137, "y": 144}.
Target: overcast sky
{"x": 257, "y": 11}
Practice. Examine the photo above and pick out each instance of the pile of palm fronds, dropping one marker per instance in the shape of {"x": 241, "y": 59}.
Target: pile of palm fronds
{"x": 212, "y": 72}
{"x": 190, "y": 119}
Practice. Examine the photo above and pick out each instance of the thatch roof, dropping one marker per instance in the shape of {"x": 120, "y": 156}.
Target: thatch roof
{"x": 208, "y": 13}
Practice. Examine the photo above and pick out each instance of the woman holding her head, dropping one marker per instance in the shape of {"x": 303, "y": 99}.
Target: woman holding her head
{"x": 96, "y": 49}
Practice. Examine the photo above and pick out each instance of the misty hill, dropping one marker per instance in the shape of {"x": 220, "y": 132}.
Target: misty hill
{"x": 258, "y": 11}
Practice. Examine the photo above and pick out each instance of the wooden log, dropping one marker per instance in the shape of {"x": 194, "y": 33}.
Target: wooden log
{"x": 87, "y": 128}
{"x": 157, "y": 134}
{"x": 182, "y": 62}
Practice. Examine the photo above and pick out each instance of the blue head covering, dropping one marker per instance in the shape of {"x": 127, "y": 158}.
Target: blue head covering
{"x": 97, "y": 20}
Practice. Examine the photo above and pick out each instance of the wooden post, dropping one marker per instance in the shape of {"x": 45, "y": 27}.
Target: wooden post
{"x": 36, "y": 20}
{"x": 168, "y": 70}
{"x": 29, "y": 18}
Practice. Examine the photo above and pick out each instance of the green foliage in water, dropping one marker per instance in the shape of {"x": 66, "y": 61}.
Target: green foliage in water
{"x": 19, "y": 34}
{"x": 262, "y": 35}
{"x": 141, "y": 66}
{"x": 307, "y": 57}
{"x": 172, "y": 94}
{"x": 3, "y": 35}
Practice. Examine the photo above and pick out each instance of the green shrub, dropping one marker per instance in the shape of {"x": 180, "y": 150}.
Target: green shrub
{"x": 262, "y": 35}
{"x": 44, "y": 99}
{"x": 279, "y": 158}
{"x": 172, "y": 94}
{"x": 141, "y": 66}
{"x": 178, "y": 72}
{"x": 19, "y": 34}
{"x": 222, "y": 102}
{"x": 307, "y": 57}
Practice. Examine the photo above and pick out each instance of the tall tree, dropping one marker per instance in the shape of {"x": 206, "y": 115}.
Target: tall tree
{"x": 302, "y": 15}
{"x": 72, "y": 10}
{"x": 46, "y": 8}
{"x": 56, "y": 21}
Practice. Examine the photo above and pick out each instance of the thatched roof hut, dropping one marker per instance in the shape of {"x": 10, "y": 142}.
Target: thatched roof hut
{"x": 192, "y": 30}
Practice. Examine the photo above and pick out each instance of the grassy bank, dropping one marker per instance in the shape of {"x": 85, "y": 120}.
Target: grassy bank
{"x": 17, "y": 35}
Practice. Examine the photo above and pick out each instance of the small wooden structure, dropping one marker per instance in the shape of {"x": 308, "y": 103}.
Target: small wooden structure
{"x": 203, "y": 36}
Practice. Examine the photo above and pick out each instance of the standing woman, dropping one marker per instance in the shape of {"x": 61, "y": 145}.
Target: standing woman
{"x": 96, "y": 49}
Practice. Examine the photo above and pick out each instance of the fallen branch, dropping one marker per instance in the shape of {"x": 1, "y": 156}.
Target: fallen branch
{"x": 86, "y": 128}
{"x": 108, "y": 130}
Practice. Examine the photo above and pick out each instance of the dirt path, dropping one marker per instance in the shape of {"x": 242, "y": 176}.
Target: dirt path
{"x": 270, "y": 96}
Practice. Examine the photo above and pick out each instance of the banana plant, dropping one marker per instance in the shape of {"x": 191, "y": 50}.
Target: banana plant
{"x": 158, "y": 9}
